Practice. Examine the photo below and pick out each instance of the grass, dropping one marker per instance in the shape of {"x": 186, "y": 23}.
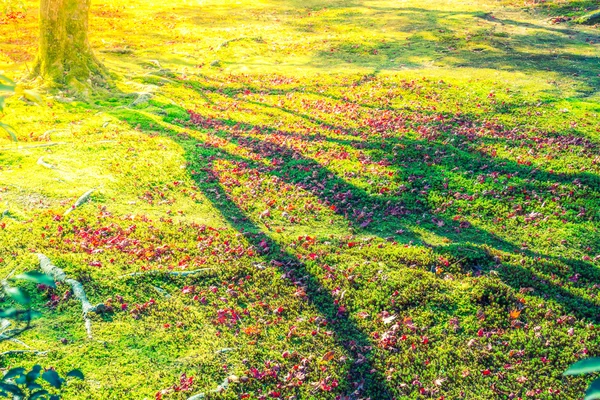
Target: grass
{"x": 388, "y": 199}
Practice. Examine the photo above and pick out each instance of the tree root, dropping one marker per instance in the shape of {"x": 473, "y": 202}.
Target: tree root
{"x": 78, "y": 292}
{"x": 226, "y": 350}
{"x": 9, "y": 338}
{"x": 85, "y": 197}
{"x": 13, "y": 352}
{"x": 8, "y": 334}
{"x": 119, "y": 50}
{"x": 170, "y": 273}
{"x": 32, "y": 147}
{"x": 41, "y": 162}
{"x": 6, "y": 213}
{"x": 252, "y": 39}
{"x": 589, "y": 19}
{"x": 4, "y": 282}
{"x": 222, "y": 387}
{"x": 162, "y": 291}
{"x": 18, "y": 148}
{"x": 46, "y": 135}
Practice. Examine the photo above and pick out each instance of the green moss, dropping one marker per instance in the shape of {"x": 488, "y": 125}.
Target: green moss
{"x": 394, "y": 185}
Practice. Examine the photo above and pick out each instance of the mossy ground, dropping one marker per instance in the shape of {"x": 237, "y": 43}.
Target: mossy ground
{"x": 389, "y": 198}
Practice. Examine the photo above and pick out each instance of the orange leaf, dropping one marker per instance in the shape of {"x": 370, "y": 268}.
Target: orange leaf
{"x": 328, "y": 356}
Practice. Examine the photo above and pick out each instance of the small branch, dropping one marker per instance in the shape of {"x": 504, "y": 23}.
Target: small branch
{"x": 78, "y": 292}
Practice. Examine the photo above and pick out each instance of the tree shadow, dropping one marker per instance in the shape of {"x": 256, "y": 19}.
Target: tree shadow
{"x": 386, "y": 216}
{"x": 461, "y": 126}
{"x": 363, "y": 378}
{"x": 382, "y": 215}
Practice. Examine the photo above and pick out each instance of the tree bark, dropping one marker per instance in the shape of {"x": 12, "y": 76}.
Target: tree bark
{"x": 65, "y": 56}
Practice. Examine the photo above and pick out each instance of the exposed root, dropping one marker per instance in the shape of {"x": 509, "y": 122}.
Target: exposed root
{"x": 228, "y": 42}
{"x": 7, "y": 214}
{"x": 6, "y": 334}
{"x": 119, "y": 50}
{"x": 589, "y": 19}
{"x": 32, "y": 147}
{"x": 14, "y": 352}
{"x": 142, "y": 97}
{"x": 226, "y": 350}
{"x": 4, "y": 282}
{"x": 170, "y": 273}
{"x": 161, "y": 291}
{"x": 41, "y": 162}
{"x": 46, "y": 135}
{"x": 18, "y": 148}
{"x": 85, "y": 197}
{"x": 221, "y": 388}
{"x": 77, "y": 288}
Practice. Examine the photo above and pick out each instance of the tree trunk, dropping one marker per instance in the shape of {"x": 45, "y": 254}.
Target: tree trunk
{"x": 65, "y": 56}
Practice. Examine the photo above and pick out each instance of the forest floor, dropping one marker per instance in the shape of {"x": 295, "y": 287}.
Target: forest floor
{"x": 385, "y": 199}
